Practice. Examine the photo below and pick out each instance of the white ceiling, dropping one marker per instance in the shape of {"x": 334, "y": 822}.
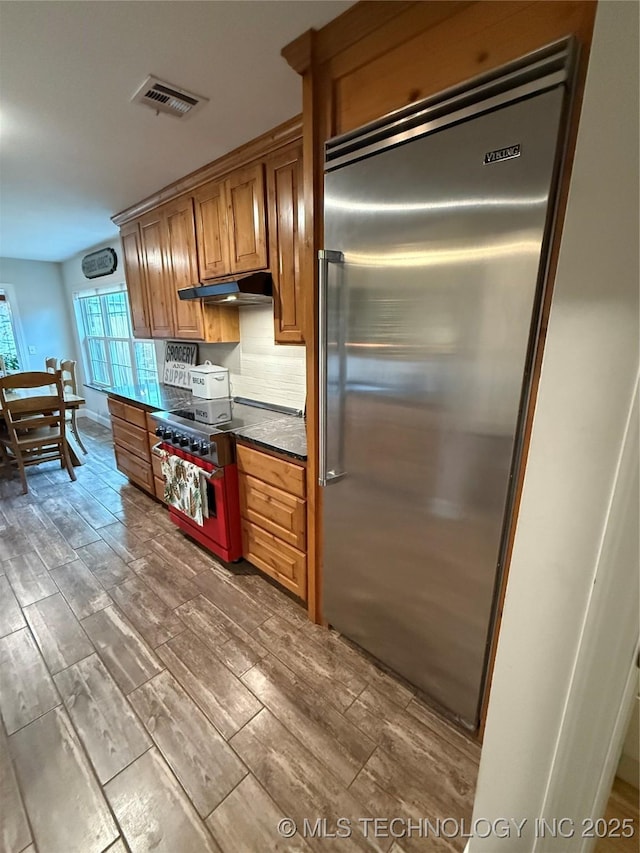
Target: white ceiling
{"x": 74, "y": 150}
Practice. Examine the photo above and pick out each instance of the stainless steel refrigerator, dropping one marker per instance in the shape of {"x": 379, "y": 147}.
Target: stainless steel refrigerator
{"x": 436, "y": 223}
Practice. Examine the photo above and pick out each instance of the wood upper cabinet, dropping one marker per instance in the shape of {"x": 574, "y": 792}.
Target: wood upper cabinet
{"x": 286, "y": 232}
{"x": 211, "y": 229}
{"x": 166, "y": 262}
{"x": 152, "y": 241}
{"x": 182, "y": 268}
{"x": 136, "y": 282}
{"x": 231, "y": 224}
{"x": 244, "y": 218}
{"x": 247, "y": 225}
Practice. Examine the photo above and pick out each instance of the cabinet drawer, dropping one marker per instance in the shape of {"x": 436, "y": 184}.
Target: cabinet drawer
{"x": 136, "y": 416}
{"x": 274, "y": 510}
{"x": 116, "y": 407}
{"x": 284, "y": 475}
{"x": 132, "y": 438}
{"x": 131, "y": 414}
{"x": 134, "y": 468}
{"x": 277, "y": 559}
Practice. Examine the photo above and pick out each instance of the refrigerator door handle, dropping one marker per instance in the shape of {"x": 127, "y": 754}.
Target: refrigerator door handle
{"x": 325, "y": 257}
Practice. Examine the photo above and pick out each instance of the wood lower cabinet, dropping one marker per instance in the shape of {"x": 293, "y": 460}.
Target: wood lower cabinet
{"x": 133, "y": 439}
{"x": 285, "y": 475}
{"x": 133, "y": 467}
{"x": 286, "y": 233}
{"x": 273, "y": 510}
{"x": 285, "y": 564}
{"x": 280, "y": 513}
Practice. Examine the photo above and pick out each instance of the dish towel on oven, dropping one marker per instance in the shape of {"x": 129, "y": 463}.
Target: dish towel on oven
{"x": 183, "y": 486}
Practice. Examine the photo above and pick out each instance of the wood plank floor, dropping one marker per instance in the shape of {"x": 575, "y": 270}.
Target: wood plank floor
{"x": 622, "y": 805}
{"x": 154, "y": 699}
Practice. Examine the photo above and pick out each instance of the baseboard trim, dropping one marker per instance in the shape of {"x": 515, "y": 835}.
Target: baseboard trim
{"x": 629, "y": 770}
{"x": 104, "y": 420}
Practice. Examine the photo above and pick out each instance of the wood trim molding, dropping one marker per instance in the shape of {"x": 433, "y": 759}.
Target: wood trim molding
{"x": 298, "y": 53}
{"x": 545, "y": 311}
{"x": 312, "y": 97}
{"x": 276, "y": 138}
{"x": 415, "y": 19}
{"x": 354, "y": 24}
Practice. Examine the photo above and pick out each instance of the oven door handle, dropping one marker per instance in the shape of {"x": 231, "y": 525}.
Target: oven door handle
{"x": 218, "y": 474}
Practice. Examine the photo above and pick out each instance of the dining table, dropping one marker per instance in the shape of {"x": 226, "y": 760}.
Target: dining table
{"x": 72, "y": 401}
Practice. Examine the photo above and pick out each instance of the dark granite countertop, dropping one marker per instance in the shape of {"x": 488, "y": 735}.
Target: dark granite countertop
{"x": 152, "y": 396}
{"x": 285, "y": 435}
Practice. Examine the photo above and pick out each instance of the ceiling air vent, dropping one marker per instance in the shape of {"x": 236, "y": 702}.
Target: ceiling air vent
{"x": 165, "y": 98}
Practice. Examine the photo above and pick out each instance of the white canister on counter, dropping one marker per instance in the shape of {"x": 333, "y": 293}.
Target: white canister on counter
{"x": 209, "y": 381}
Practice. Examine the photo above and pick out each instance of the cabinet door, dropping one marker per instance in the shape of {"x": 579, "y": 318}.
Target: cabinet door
{"x": 135, "y": 278}
{"x": 211, "y": 229}
{"x": 182, "y": 267}
{"x": 152, "y": 240}
{"x": 286, "y": 232}
{"x": 246, "y": 219}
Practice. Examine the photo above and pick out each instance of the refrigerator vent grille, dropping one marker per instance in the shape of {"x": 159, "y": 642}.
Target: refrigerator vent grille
{"x": 165, "y": 98}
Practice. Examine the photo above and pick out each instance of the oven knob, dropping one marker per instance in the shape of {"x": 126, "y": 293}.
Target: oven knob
{"x": 183, "y": 441}
{"x": 173, "y": 435}
{"x": 166, "y": 434}
{"x": 194, "y": 445}
{"x": 205, "y": 448}
{"x": 160, "y": 431}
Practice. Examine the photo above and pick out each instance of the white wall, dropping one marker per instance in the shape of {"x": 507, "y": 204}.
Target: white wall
{"x": 74, "y": 281}
{"x": 569, "y": 625}
{"x": 260, "y": 369}
{"x": 36, "y": 294}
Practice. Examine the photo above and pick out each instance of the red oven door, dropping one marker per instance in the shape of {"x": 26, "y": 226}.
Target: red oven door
{"x": 220, "y": 531}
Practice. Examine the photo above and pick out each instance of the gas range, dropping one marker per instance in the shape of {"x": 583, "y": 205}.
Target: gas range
{"x": 204, "y": 428}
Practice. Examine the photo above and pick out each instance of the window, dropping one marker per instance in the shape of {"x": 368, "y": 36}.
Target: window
{"x": 8, "y": 343}
{"x": 113, "y": 357}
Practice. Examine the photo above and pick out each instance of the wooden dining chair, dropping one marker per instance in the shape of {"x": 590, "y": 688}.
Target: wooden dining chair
{"x": 35, "y": 422}
{"x": 68, "y": 371}
{"x": 51, "y": 364}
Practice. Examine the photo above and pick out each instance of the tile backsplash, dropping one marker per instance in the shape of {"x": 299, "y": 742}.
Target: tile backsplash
{"x": 258, "y": 368}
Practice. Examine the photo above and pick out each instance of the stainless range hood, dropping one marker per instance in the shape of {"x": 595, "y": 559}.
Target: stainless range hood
{"x": 254, "y": 289}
